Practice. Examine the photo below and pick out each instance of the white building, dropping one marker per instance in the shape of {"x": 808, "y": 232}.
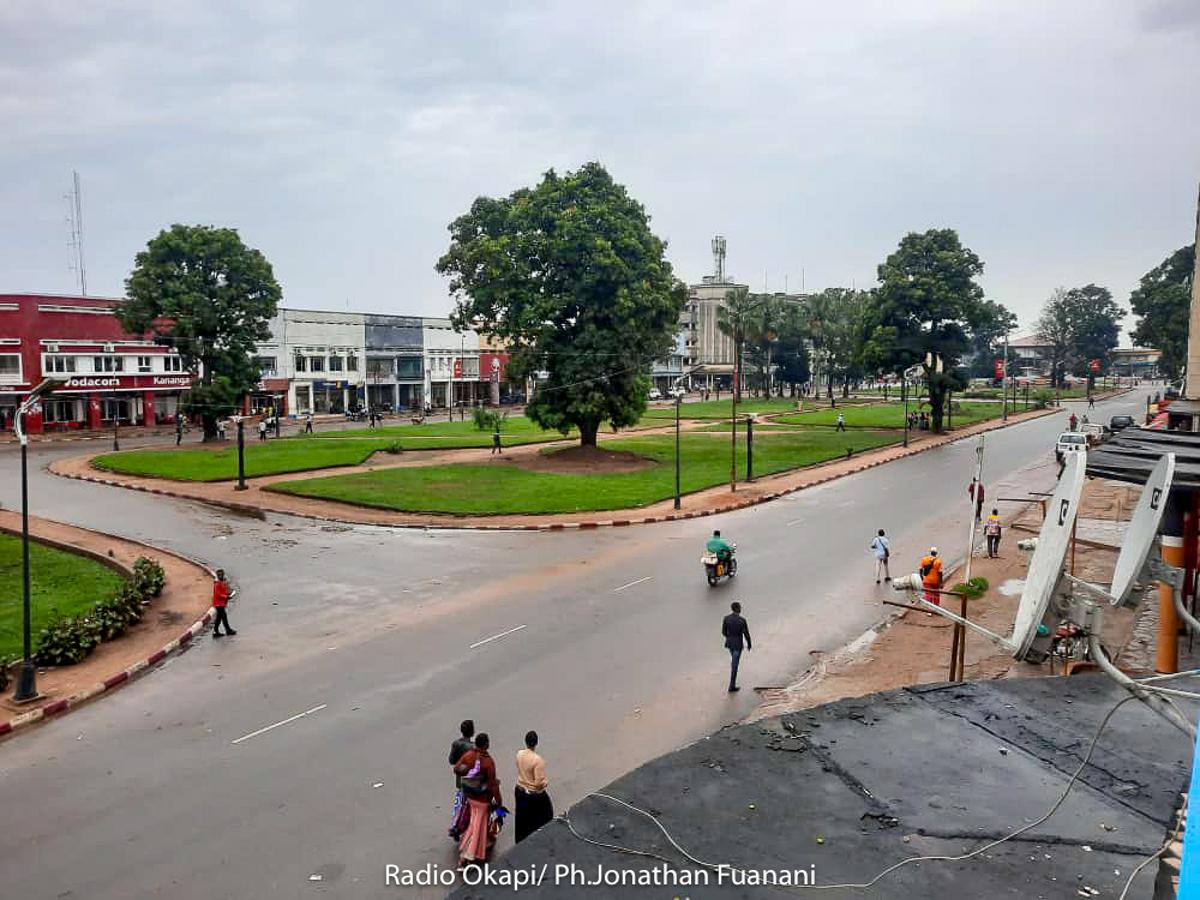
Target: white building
{"x": 451, "y": 364}
{"x": 314, "y": 360}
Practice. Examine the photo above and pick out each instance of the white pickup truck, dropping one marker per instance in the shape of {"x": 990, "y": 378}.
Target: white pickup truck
{"x": 1069, "y": 442}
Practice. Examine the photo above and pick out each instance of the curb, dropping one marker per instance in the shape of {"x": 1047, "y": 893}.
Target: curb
{"x": 58, "y": 707}
{"x": 559, "y": 526}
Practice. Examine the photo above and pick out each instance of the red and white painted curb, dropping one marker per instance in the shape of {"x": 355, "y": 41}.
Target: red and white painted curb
{"x": 58, "y": 707}
{"x": 556, "y": 526}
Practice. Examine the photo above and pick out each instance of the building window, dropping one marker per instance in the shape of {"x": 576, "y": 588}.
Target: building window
{"x": 10, "y": 368}
{"x": 172, "y": 363}
{"x": 59, "y": 364}
{"x": 143, "y": 364}
{"x": 379, "y": 367}
{"x": 408, "y": 366}
{"x": 351, "y": 363}
{"x": 301, "y": 363}
{"x": 316, "y": 363}
{"x": 108, "y": 364}
{"x": 335, "y": 364}
{"x": 59, "y": 411}
{"x": 266, "y": 364}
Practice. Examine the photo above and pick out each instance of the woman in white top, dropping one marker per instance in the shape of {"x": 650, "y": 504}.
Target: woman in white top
{"x": 533, "y": 806}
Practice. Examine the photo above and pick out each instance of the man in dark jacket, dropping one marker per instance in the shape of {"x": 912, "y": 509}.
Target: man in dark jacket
{"x": 737, "y": 636}
{"x": 458, "y": 747}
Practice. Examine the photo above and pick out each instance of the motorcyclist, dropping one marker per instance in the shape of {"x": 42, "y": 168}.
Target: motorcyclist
{"x": 719, "y": 546}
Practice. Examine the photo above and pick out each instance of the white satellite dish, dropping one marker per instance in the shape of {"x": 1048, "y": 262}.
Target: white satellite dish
{"x": 1046, "y": 566}
{"x": 1143, "y": 528}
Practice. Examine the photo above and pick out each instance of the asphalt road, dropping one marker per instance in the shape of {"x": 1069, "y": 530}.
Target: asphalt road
{"x": 606, "y": 642}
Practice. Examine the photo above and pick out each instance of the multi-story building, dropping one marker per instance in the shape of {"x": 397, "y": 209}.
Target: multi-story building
{"x": 109, "y": 377}
{"x": 451, "y": 364}
{"x": 395, "y": 374}
{"x": 313, "y": 362}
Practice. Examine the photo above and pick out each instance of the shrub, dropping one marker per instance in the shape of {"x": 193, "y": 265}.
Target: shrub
{"x": 149, "y": 575}
{"x": 488, "y": 419}
{"x": 394, "y": 447}
{"x": 1043, "y": 399}
{"x": 6, "y": 663}
{"x": 972, "y": 589}
{"x": 70, "y": 640}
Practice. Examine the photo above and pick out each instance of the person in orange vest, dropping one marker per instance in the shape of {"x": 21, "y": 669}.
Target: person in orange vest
{"x": 931, "y": 576}
{"x": 220, "y": 600}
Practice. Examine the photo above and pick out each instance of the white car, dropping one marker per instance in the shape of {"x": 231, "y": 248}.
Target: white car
{"x": 676, "y": 393}
{"x": 1095, "y": 433}
{"x": 655, "y": 394}
{"x": 1069, "y": 442}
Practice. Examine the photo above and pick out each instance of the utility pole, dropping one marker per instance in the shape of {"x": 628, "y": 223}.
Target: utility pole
{"x": 1004, "y": 377}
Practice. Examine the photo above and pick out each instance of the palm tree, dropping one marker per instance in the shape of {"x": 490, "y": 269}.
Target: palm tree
{"x": 734, "y": 320}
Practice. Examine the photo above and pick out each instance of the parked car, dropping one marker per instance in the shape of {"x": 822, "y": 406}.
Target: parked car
{"x": 676, "y": 393}
{"x": 1069, "y": 442}
{"x": 1095, "y": 432}
{"x": 1120, "y": 423}
{"x": 655, "y": 394}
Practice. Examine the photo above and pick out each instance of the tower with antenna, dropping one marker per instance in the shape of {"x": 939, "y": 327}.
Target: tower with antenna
{"x": 75, "y": 222}
{"x": 718, "y": 251}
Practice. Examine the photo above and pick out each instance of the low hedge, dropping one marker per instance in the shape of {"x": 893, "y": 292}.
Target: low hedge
{"x": 71, "y": 639}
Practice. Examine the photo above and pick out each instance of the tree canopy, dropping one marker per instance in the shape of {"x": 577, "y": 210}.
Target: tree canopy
{"x": 205, "y": 293}
{"x": 1080, "y": 325}
{"x": 570, "y": 275}
{"x": 928, "y": 305}
{"x": 1161, "y": 303}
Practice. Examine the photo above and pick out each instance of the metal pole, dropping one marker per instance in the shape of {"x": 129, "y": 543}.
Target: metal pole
{"x": 1004, "y": 378}
{"x": 678, "y": 404}
{"x": 116, "y": 443}
{"x": 241, "y": 483}
{"x": 27, "y": 679}
{"x": 749, "y": 448}
{"x": 904, "y": 391}
{"x": 733, "y": 417}
{"x": 276, "y": 411}
{"x": 959, "y": 645}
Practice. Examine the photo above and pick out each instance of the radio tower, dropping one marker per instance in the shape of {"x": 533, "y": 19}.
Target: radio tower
{"x": 718, "y": 251}
{"x": 75, "y": 220}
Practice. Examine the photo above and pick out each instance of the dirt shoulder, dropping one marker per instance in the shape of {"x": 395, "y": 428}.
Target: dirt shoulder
{"x": 914, "y": 648}
{"x": 701, "y": 503}
{"x": 185, "y": 599}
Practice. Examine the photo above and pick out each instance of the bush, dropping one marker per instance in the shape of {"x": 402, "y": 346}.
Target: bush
{"x": 149, "y": 576}
{"x": 972, "y": 589}
{"x": 70, "y": 640}
{"x": 6, "y": 664}
{"x": 1043, "y": 399}
{"x": 488, "y": 419}
{"x": 393, "y": 448}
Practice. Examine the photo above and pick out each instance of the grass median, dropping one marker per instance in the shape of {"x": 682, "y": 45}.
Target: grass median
{"x": 61, "y": 584}
{"x": 891, "y": 415}
{"x": 505, "y": 487}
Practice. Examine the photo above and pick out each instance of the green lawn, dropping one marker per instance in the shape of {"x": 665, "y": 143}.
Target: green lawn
{"x": 262, "y": 458}
{"x": 439, "y": 435}
{"x": 717, "y": 409}
{"x": 891, "y": 415}
{"x": 61, "y": 584}
{"x": 497, "y": 489}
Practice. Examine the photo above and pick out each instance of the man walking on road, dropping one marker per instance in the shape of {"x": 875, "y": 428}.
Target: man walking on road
{"x": 991, "y": 530}
{"x": 1072, "y": 422}
{"x": 882, "y": 548}
{"x": 737, "y": 636}
{"x": 221, "y": 595}
{"x": 975, "y": 491}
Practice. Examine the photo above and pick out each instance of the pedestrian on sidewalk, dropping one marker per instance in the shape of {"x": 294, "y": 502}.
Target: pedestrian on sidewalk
{"x": 737, "y": 638}
{"x": 1091, "y": 402}
{"x": 481, "y": 789}
{"x": 883, "y": 549}
{"x": 459, "y": 746}
{"x": 976, "y": 492}
{"x": 220, "y": 429}
{"x": 262, "y": 429}
{"x": 221, "y": 597}
{"x": 931, "y": 577}
{"x": 178, "y": 429}
{"x": 308, "y": 420}
{"x": 533, "y": 806}
{"x": 496, "y": 448}
{"x": 992, "y": 530}
{"x": 841, "y": 422}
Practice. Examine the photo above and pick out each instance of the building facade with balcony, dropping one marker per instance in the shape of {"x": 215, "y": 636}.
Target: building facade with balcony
{"x": 110, "y": 377}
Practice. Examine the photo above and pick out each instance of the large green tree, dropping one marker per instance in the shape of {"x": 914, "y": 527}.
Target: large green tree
{"x": 570, "y": 275}
{"x": 791, "y": 350}
{"x": 1079, "y": 326}
{"x": 1161, "y": 303}
{"x": 202, "y": 291}
{"x": 928, "y": 304}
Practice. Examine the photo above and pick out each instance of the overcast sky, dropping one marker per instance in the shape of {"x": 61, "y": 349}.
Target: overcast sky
{"x": 1061, "y": 139}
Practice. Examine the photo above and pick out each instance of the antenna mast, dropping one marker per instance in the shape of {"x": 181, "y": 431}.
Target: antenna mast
{"x": 75, "y": 220}
{"x": 718, "y": 251}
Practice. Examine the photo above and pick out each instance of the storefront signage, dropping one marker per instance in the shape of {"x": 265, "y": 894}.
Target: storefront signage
{"x": 93, "y": 382}
{"x": 126, "y": 382}
{"x": 173, "y": 381}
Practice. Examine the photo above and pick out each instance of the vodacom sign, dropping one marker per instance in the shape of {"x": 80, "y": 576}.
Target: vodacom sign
{"x": 93, "y": 382}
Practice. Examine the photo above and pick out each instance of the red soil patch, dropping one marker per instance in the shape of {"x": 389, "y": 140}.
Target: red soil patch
{"x": 584, "y": 461}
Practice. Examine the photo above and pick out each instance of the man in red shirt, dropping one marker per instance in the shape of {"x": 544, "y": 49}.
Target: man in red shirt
{"x": 975, "y": 491}
{"x": 221, "y": 595}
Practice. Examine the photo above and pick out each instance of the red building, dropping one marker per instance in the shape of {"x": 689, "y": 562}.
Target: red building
{"x": 112, "y": 378}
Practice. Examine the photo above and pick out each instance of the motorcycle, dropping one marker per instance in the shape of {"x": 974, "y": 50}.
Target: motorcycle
{"x": 715, "y": 569}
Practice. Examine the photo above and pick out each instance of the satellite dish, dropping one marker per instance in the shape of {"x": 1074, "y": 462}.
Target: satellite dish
{"x": 1046, "y": 566}
{"x": 1143, "y": 528}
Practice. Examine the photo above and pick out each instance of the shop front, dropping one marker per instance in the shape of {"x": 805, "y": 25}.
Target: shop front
{"x": 93, "y": 403}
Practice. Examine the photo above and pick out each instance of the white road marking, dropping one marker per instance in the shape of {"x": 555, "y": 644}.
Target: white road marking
{"x": 793, "y": 522}
{"x": 246, "y": 737}
{"x": 631, "y": 584}
{"x": 495, "y": 637}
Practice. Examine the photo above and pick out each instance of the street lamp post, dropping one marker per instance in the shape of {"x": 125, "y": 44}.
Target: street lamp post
{"x": 1004, "y": 378}
{"x": 241, "y": 431}
{"x": 27, "y": 678}
{"x": 904, "y": 392}
{"x": 749, "y": 448}
{"x": 678, "y": 404}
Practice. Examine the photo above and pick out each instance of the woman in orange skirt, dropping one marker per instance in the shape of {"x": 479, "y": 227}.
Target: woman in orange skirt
{"x": 481, "y": 791}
